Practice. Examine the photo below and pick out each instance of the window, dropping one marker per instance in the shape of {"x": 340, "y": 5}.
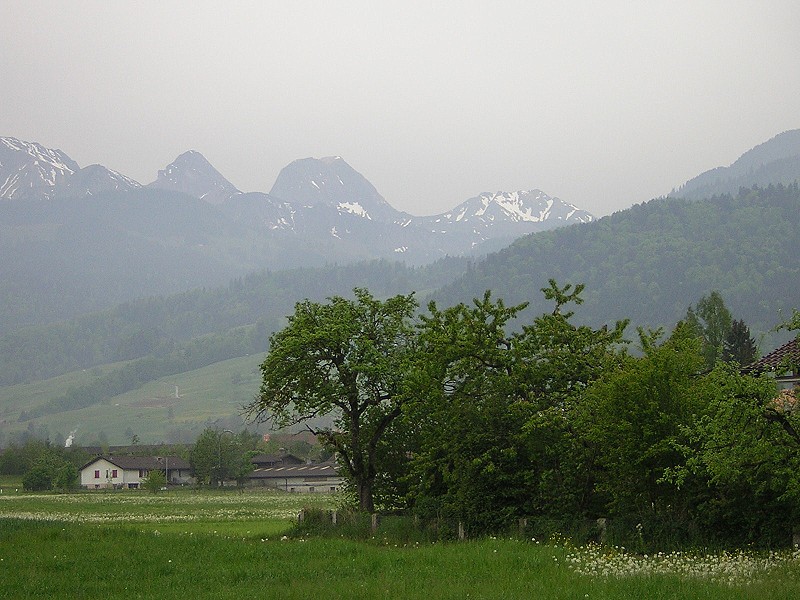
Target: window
{"x": 114, "y": 473}
{"x": 97, "y": 474}
{"x": 311, "y": 488}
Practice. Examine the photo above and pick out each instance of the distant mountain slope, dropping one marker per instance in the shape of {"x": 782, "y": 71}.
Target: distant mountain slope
{"x": 650, "y": 262}
{"x": 61, "y": 259}
{"x": 158, "y": 325}
{"x": 74, "y": 240}
{"x": 775, "y": 161}
{"x": 30, "y": 171}
{"x": 331, "y": 182}
{"x": 504, "y": 216}
{"x": 95, "y": 180}
{"x": 192, "y": 174}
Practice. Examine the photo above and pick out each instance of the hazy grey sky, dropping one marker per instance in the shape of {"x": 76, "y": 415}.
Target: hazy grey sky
{"x": 604, "y": 104}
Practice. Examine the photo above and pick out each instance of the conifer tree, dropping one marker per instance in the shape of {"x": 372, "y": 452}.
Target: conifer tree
{"x": 739, "y": 346}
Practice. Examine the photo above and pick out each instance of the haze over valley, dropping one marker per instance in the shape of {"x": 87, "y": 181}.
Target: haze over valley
{"x": 174, "y": 178}
{"x": 74, "y": 247}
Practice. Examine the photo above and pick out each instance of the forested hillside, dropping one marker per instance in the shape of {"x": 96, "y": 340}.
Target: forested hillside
{"x": 650, "y": 262}
{"x": 161, "y": 327}
{"x": 773, "y": 162}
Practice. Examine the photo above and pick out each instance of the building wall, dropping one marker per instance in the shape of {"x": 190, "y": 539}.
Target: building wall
{"x": 113, "y": 476}
{"x": 302, "y": 484}
{"x": 109, "y": 475}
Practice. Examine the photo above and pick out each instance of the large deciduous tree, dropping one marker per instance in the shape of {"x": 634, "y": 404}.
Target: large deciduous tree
{"x": 492, "y": 430}
{"x": 629, "y": 421}
{"x": 345, "y": 359}
{"x": 217, "y": 457}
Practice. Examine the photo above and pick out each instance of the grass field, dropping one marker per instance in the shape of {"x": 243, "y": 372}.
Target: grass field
{"x": 232, "y": 545}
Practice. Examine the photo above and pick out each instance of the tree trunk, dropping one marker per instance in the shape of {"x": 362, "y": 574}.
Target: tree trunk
{"x": 365, "y": 503}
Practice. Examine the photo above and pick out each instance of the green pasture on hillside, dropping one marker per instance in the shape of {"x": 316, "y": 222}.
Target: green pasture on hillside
{"x": 151, "y": 411}
{"x": 232, "y": 545}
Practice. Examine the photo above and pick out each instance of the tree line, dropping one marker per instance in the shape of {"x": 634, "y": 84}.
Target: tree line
{"x": 479, "y": 414}
{"x": 216, "y": 456}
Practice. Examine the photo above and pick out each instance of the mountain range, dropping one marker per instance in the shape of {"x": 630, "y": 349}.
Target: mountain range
{"x": 775, "y": 161}
{"x": 311, "y": 197}
{"x": 76, "y": 239}
{"x": 648, "y": 263}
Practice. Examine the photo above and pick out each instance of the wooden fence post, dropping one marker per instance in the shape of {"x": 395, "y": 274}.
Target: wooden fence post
{"x": 461, "y": 534}
{"x": 374, "y": 522}
{"x": 333, "y": 517}
{"x": 602, "y": 525}
{"x": 302, "y": 516}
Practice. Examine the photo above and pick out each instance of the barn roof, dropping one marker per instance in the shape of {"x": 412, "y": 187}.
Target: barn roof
{"x": 328, "y": 469}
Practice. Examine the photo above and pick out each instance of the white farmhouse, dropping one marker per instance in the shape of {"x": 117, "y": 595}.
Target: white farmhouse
{"x": 129, "y": 471}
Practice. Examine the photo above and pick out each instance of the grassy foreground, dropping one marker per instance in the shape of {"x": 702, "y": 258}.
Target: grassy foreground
{"x": 233, "y": 545}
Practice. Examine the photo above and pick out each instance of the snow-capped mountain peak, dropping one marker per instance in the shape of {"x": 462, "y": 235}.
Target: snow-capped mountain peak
{"x": 331, "y": 182}
{"x": 95, "y": 179}
{"x": 29, "y": 170}
{"x": 192, "y": 174}
{"x": 319, "y": 205}
{"x": 526, "y": 206}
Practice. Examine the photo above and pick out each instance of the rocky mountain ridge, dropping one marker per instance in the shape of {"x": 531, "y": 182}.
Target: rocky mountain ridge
{"x": 312, "y": 198}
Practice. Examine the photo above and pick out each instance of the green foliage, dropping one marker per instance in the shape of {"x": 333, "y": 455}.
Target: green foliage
{"x": 39, "y": 478}
{"x": 739, "y": 346}
{"x": 219, "y": 456}
{"x": 491, "y": 431}
{"x": 793, "y": 323}
{"x": 628, "y": 422}
{"x": 156, "y": 479}
{"x": 711, "y": 321}
{"x": 646, "y": 262}
{"x": 345, "y": 358}
{"x": 43, "y": 466}
{"x": 205, "y": 456}
{"x": 66, "y": 477}
{"x": 746, "y": 443}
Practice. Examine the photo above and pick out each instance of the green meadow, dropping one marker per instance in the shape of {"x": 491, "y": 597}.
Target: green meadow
{"x": 150, "y": 411}
{"x": 208, "y": 544}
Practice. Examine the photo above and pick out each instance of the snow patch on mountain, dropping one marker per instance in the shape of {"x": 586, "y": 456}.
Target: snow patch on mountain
{"x": 312, "y": 200}
{"x": 29, "y": 170}
{"x": 354, "y": 208}
{"x": 532, "y": 207}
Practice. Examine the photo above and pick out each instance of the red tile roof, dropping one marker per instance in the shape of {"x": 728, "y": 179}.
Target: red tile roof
{"x": 777, "y": 360}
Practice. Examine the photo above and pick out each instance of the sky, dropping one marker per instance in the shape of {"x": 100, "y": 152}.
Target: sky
{"x": 603, "y": 104}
